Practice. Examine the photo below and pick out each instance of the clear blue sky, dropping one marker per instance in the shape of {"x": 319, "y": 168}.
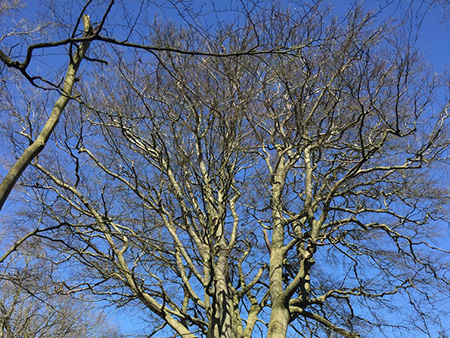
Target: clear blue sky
{"x": 433, "y": 40}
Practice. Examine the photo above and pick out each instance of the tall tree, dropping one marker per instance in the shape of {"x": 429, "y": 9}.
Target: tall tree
{"x": 38, "y": 144}
{"x": 277, "y": 175}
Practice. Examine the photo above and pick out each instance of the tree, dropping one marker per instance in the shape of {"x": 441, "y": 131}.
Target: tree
{"x": 278, "y": 176}
{"x": 37, "y": 145}
{"x": 33, "y": 304}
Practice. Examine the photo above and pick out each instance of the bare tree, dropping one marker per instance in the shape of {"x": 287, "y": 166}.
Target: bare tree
{"x": 76, "y": 54}
{"x": 34, "y": 304}
{"x": 275, "y": 177}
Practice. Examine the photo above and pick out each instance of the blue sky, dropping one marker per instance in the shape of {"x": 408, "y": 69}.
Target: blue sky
{"x": 433, "y": 41}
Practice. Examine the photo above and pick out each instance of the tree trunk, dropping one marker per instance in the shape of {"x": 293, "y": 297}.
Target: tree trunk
{"x": 279, "y": 317}
{"x": 279, "y": 321}
{"x": 222, "y": 323}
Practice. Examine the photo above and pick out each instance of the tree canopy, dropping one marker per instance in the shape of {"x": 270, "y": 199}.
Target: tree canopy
{"x": 231, "y": 170}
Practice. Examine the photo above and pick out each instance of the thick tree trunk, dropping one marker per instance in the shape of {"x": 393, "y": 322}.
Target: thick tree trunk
{"x": 279, "y": 321}
{"x": 222, "y": 319}
{"x": 279, "y": 318}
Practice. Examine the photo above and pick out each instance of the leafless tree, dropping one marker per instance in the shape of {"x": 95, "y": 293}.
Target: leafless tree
{"x": 277, "y": 177}
{"x": 34, "y": 304}
{"x": 38, "y": 144}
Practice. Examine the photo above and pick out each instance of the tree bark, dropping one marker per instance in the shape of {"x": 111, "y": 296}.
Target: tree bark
{"x": 279, "y": 318}
{"x": 222, "y": 323}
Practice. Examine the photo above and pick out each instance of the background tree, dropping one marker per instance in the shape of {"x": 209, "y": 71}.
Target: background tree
{"x": 279, "y": 175}
{"x": 34, "y": 304}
